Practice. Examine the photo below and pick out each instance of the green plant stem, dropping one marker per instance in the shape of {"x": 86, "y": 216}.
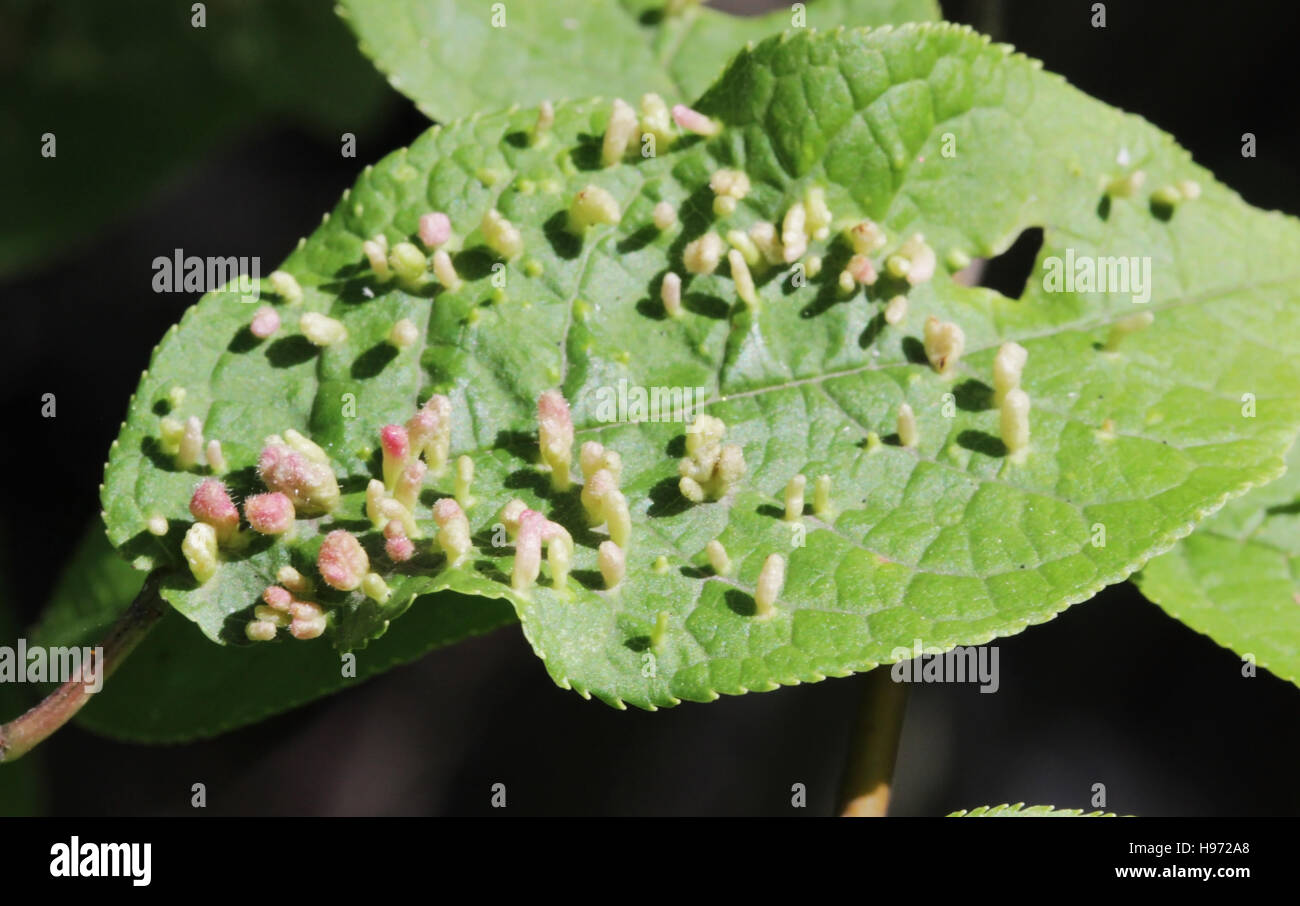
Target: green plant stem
{"x": 22, "y": 734}
{"x": 873, "y": 749}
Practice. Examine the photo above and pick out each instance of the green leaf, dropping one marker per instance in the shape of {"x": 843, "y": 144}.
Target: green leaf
{"x": 1237, "y": 577}
{"x": 449, "y": 58}
{"x": 177, "y": 685}
{"x": 1019, "y": 810}
{"x": 951, "y": 543}
{"x": 79, "y": 70}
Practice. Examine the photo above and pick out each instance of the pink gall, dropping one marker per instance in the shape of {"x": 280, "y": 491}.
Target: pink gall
{"x": 342, "y": 561}
{"x": 269, "y": 514}
{"x": 211, "y": 503}
{"x": 435, "y": 229}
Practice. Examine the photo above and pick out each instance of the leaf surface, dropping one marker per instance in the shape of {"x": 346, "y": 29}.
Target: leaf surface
{"x": 1237, "y": 577}
{"x": 452, "y": 61}
{"x": 952, "y": 542}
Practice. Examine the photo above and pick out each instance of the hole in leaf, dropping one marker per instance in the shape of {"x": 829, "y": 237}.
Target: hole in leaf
{"x": 1009, "y": 272}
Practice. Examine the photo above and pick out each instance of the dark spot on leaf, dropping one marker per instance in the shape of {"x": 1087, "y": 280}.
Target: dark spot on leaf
{"x": 651, "y": 17}
{"x": 345, "y": 273}
{"x": 355, "y": 280}
{"x": 430, "y": 496}
{"x": 243, "y": 341}
{"x": 706, "y": 305}
{"x": 634, "y": 242}
{"x": 474, "y": 264}
{"x": 566, "y": 507}
{"x": 354, "y": 484}
{"x": 873, "y": 329}
{"x": 768, "y": 509}
{"x": 517, "y": 139}
{"x": 490, "y": 569}
{"x": 163, "y": 550}
{"x": 1162, "y": 212}
{"x": 519, "y": 444}
{"x": 565, "y": 244}
{"x": 914, "y": 351}
{"x": 151, "y": 448}
{"x": 371, "y": 362}
{"x": 588, "y": 578}
{"x": 696, "y": 217}
{"x": 694, "y": 572}
{"x": 638, "y": 643}
{"x": 586, "y": 154}
{"x": 1009, "y": 273}
{"x": 981, "y": 442}
{"x": 1103, "y": 207}
{"x": 482, "y": 539}
{"x": 666, "y": 499}
{"x": 741, "y": 603}
{"x": 257, "y": 543}
{"x": 652, "y": 309}
{"x": 676, "y": 447}
{"x": 289, "y": 351}
{"x": 243, "y": 482}
{"x": 356, "y": 526}
{"x": 973, "y": 396}
{"x": 528, "y": 479}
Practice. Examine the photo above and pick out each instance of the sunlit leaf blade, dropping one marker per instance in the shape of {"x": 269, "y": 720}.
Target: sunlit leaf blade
{"x": 1237, "y": 577}
{"x": 951, "y": 543}
{"x": 459, "y": 57}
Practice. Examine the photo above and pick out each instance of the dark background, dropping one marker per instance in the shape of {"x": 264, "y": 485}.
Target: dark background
{"x": 1110, "y": 692}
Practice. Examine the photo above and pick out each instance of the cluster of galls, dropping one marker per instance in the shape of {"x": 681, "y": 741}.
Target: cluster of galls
{"x": 302, "y": 483}
{"x": 411, "y": 265}
{"x": 710, "y": 467}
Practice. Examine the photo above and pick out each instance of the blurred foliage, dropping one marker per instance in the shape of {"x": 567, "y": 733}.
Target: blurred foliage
{"x": 135, "y": 92}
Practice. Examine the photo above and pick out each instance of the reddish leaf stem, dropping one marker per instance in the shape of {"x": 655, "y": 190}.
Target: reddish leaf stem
{"x": 22, "y": 734}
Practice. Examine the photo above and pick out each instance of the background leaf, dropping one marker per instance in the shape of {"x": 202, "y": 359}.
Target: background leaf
{"x": 951, "y": 543}
{"x": 1020, "y": 810}
{"x": 177, "y": 685}
{"x": 80, "y": 69}
{"x": 446, "y": 56}
{"x": 1237, "y": 577}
